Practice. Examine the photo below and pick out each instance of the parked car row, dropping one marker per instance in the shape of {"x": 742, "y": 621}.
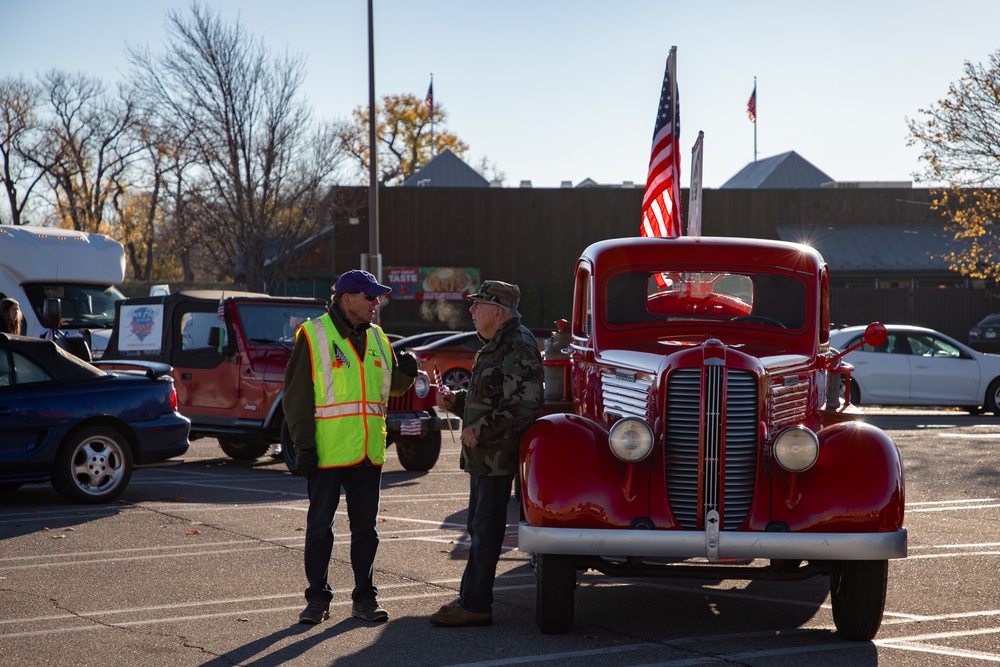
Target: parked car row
{"x": 920, "y": 366}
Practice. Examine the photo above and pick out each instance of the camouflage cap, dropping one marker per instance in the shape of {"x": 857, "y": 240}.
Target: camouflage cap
{"x": 495, "y": 291}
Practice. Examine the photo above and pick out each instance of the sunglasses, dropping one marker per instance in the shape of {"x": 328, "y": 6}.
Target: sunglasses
{"x": 368, "y": 296}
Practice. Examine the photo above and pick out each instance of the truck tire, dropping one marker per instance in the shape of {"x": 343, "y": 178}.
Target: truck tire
{"x": 555, "y": 584}
{"x": 93, "y": 465}
{"x": 243, "y": 450}
{"x": 418, "y": 453}
{"x": 857, "y": 594}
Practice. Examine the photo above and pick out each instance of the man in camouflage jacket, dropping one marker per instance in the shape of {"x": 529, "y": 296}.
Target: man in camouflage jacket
{"x": 504, "y": 397}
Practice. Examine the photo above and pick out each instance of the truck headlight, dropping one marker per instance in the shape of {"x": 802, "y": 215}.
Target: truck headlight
{"x": 796, "y": 449}
{"x": 422, "y": 386}
{"x": 631, "y": 439}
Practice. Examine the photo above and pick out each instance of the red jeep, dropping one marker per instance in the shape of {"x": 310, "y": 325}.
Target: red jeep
{"x": 228, "y": 351}
{"x": 696, "y": 437}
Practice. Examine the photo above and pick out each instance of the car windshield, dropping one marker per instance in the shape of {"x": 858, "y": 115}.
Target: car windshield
{"x": 81, "y": 305}
{"x": 273, "y": 323}
{"x": 635, "y": 297}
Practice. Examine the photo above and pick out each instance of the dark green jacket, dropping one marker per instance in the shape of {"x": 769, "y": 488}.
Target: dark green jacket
{"x": 504, "y": 397}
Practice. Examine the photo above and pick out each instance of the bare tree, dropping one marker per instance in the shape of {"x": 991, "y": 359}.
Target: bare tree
{"x": 261, "y": 164}
{"x": 21, "y": 136}
{"x": 959, "y": 138}
{"x": 403, "y": 130}
{"x": 89, "y": 148}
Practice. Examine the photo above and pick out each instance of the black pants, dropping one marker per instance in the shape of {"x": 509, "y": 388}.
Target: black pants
{"x": 362, "y": 487}
{"x": 487, "y": 524}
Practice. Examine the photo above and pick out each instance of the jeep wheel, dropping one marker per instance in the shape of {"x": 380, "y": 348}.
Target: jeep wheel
{"x": 555, "y": 581}
{"x": 857, "y": 593}
{"x": 92, "y": 466}
{"x": 418, "y": 453}
{"x": 243, "y": 450}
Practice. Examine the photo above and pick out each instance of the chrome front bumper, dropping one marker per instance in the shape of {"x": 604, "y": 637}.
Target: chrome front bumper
{"x": 694, "y": 544}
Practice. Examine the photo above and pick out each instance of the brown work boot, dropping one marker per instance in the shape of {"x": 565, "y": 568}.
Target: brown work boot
{"x": 460, "y": 617}
{"x": 444, "y": 609}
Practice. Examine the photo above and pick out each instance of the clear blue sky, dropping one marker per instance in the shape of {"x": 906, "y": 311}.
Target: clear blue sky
{"x": 553, "y": 90}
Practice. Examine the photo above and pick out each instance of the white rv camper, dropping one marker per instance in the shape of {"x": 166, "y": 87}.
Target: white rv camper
{"x": 80, "y": 269}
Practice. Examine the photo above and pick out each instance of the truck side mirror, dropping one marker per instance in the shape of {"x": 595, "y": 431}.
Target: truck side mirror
{"x": 875, "y": 335}
{"x": 51, "y": 313}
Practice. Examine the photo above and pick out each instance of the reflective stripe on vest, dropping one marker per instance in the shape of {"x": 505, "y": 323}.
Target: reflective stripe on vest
{"x": 349, "y": 425}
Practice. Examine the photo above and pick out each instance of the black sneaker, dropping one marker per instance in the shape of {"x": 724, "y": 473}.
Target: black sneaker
{"x": 315, "y": 612}
{"x": 369, "y": 610}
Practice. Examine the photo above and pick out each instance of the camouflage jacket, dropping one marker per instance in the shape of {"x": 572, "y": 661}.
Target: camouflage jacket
{"x": 504, "y": 397}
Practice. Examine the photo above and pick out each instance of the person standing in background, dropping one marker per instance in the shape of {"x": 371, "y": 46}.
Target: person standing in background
{"x": 503, "y": 398}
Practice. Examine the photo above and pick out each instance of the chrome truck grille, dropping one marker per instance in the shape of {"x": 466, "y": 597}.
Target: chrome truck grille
{"x": 711, "y": 444}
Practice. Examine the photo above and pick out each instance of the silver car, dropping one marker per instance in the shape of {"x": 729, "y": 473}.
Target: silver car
{"x": 919, "y": 366}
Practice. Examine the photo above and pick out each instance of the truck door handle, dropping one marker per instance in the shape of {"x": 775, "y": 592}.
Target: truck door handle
{"x": 185, "y": 376}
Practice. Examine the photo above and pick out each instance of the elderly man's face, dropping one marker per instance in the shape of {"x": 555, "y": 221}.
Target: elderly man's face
{"x": 487, "y": 317}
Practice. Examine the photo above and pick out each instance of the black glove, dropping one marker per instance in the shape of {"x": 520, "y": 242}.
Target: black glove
{"x": 407, "y": 363}
{"x": 306, "y": 463}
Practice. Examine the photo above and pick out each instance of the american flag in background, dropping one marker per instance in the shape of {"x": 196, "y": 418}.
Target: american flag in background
{"x": 752, "y": 105}
{"x": 661, "y": 203}
{"x": 437, "y": 376}
{"x": 429, "y": 100}
{"x": 221, "y": 310}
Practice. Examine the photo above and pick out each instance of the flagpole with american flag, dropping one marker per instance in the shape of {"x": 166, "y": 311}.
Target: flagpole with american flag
{"x": 429, "y": 102}
{"x": 752, "y": 113}
{"x": 661, "y": 202}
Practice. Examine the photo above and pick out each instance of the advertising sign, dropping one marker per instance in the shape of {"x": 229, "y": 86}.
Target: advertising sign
{"x": 428, "y": 283}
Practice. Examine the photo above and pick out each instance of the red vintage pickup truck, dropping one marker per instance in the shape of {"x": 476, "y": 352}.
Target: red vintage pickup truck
{"x": 700, "y": 432}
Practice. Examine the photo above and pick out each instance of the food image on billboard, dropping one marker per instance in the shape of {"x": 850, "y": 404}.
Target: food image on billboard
{"x": 429, "y": 283}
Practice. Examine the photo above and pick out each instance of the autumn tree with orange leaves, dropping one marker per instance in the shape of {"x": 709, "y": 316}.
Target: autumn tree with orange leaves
{"x": 959, "y": 138}
{"x": 403, "y": 132}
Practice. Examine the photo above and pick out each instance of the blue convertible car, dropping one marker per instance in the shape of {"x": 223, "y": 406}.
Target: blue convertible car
{"x": 66, "y": 421}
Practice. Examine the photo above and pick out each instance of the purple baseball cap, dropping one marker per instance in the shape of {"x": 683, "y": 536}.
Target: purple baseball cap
{"x": 360, "y": 281}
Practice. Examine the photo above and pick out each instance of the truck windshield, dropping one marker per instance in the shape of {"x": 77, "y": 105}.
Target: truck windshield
{"x": 772, "y": 299}
{"x": 82, "y": 306}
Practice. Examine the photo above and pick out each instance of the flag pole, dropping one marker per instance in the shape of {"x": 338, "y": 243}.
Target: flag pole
{"x": 755, "y": 119}
{"x": 430, "y": 106}
{"x": 694, "y": 193}
{"x": 675, "y": 156}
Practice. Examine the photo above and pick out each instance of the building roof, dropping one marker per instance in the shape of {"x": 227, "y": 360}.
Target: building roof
{"x": 780, "y": 172}
{"x": 446, "y": 170}
{"x": 878, "y": 249}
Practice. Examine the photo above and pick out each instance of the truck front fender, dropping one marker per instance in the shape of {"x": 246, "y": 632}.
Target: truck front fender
{"x": 569, "y": 476}
{"x": 856, "y": 484}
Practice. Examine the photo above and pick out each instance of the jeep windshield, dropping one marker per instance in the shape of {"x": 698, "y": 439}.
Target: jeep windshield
{"x": 771, "y": 299}
{"x": 275, "y": 323}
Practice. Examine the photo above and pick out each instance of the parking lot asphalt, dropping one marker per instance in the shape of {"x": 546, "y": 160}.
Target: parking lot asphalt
{"x": 200, "y": 563}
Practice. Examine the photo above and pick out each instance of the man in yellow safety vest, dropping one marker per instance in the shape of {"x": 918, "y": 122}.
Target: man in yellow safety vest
{"x": 337, "y": 387}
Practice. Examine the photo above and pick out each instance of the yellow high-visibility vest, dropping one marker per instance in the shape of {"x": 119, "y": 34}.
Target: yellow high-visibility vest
{"x": 351, "y": 394}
